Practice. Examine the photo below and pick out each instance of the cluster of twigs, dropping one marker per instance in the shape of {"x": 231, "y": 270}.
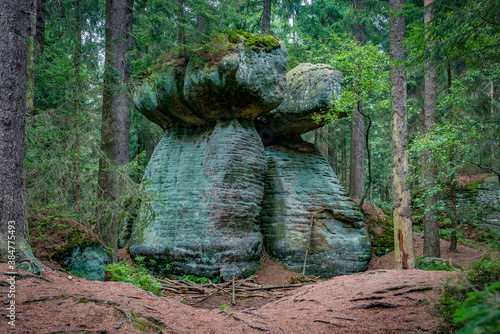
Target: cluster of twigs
{"x": 241, "y": 288}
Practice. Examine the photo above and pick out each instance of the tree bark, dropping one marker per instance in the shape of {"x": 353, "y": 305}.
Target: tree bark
{"x": 357, "y": 162}
{"x": 401, "y": 200}
{"x": 266, "y": 18}
{"x": 115, "y": 117}
{"x": 333, "y": 149}
{"x": 77, "y": 58}
{"x": 13, "y": 54}
{"x": 181, "y": 39}
{"x": 431, "y": 226}
{"x": 30, "y": 83}
{"x": 201, "y": 22}
{"x": 40, "y": 25}
{"x": 359, "y": 29}
{"x": 343, "y": 155}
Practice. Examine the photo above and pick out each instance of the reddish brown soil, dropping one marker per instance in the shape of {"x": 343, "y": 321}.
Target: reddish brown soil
{"x": 71, "y": 305}
{"x": 66, "y": 304}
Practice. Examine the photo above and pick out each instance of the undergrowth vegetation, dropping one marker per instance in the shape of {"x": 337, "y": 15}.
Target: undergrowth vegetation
{"x": 137, "y": 275}
{"x": 470, "y": 301}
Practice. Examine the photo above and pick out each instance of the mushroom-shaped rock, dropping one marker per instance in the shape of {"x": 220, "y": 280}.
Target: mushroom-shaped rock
{"x": 306, "y": 211}
{"x": 247, "y": 82}
{"x": 207, "y": 186}
{"x": 310, "y": 88}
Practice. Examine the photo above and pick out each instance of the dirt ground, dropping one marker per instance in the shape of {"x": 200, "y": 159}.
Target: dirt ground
{"x": 380, "y": 300}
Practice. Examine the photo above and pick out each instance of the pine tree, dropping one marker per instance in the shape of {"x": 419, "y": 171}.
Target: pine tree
{"x": 13, "y": 53}
{"x": 115, "y": 142}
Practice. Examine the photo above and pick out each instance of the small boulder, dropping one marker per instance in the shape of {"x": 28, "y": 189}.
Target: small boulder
{"x": 436, "y": 263}
{"x": 89, "y": 262}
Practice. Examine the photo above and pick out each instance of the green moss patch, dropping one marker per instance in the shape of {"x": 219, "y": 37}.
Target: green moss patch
{"x": 212, "y": 49}
{"x": 54, "y": 237}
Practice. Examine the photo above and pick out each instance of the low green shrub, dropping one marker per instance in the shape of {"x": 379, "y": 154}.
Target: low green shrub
{"x": 136, "y": 275}
{"x": 480, "y": 313}
{"x": 465, "y": 298}
{"x": 198, "y": 280}
{"x": 483, "y": 272}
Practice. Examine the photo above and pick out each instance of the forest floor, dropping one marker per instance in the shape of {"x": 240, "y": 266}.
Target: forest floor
{"x": 380, "y": 300}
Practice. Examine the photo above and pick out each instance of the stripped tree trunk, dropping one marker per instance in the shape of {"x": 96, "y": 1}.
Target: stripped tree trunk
{"x": 403, "y": 237}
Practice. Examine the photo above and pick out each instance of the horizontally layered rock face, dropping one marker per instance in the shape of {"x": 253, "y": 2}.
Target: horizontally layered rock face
{"x": 206, "y": 175}
{"x": 219, "y": 195}
{"x": 305, "y": 208}
{"x": 209, "y": 183}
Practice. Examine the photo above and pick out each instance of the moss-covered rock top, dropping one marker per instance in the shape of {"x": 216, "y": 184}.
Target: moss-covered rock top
{"x": 234, "y": 75}
{"x": 310, "y": 89}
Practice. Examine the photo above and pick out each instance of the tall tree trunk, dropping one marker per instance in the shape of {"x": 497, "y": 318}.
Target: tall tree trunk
{"x": 453, "y": 190}
{"x": 115, "y": 126}
{"x": 431, "y": 226}
{"x": 323, "y": 141}
{"x": 181, "y": 39}
{"x": 201, "y": 22}
{"x": 343, "y": 156}
{"x": 77, "y": 58}
{"x": 148, "y": 141}
{"x": 357, "y": 162}
{"x": 266, "y": 18}
{"x": 359, "y": 29}
{"x": 333, "y": 150}
{"x": 30, "y": 83}
{"x": 14, "y": 245}
{"x": 492, "y": 113}
{"x": 40, "y": 25}
{"x": 401, "y": 201}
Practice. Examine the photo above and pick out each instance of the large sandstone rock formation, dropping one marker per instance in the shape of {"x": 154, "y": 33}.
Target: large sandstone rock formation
{"x": 208, "y": 183}
{"x": 306, "y": 210}
{"x": 207, "y": 173}
{"x": 301, "y": 188}
{"x": 219, "y": 195}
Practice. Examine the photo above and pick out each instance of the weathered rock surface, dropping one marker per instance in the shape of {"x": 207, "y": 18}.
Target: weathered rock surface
{"x": 310, "y": 88}
{"x": 300, "y": 188}
{"x": 245, "y": 84}
{"x": 88, "y": 262}
{"x": 208, "y": 185}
